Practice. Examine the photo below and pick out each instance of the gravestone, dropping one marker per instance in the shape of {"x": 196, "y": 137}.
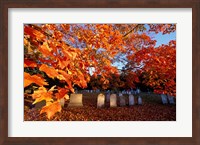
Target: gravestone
{"x": 100, "y": 100}
{"x": 122, "y": 101}
{"x": 62, "y": 102}
{"x": 138, "y": 91}
{"x": 171, "y": 99}
{"x": 113, "y": 100}
{"x": 75, "y": 100}
{"x": 108, "y": 97}
{"x": 164, "y": 99}
{"x": 131, "y": 100}
{"x": 148, "y": 91}
{"x": 40, "y": 104}
{"x": 139, "y": 100}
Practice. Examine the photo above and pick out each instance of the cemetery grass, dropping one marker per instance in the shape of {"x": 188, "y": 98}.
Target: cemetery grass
{"x": 152, "y": 109}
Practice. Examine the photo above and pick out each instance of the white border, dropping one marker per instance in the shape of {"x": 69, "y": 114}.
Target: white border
{"x": 180, "y": 128}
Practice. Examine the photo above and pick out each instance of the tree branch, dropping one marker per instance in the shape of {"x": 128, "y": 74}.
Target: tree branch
{"x": 131, "y": 30}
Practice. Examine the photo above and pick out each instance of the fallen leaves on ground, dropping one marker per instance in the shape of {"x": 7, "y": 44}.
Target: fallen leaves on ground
{"x": 149, "y": 111}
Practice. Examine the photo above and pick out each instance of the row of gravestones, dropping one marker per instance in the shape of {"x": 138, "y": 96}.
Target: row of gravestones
{"x": 91, "y": 91}
{"x": 129, "y": 92}
{"x": 113, "y": 100}
{"x": 108, "y": 91}
{"x": 167, "y": 99}
{"x": 76, "y": 100}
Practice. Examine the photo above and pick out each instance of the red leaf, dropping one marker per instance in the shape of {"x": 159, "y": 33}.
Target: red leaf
{"x": 29, "y": 63}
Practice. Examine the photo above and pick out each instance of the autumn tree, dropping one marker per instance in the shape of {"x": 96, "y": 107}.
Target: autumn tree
{"x": 157, "y": 65}
{"x": 158, "y": 68}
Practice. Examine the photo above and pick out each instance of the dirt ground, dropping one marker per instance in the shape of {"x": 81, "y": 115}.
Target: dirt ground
{"x": 151, "y": 109}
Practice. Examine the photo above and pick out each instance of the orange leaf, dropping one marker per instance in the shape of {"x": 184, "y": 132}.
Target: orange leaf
{"x": 66, "y": 77}
{"x": 45, "y": 49}
{"x": 61, "y": 93}
{"x": 28, "y": 79}
{"x": 51, "y": 109}
{"x": 50, "y": 71}
{"x": 65, "y": 27}
{"x": 34, "y": 33}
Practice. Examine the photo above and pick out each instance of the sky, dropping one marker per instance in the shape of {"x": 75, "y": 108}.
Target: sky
{"x": 160, "y": 38}
{"x": 164, "y": 39}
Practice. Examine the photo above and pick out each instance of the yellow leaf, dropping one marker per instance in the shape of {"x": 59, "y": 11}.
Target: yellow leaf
{"x": 42, "y": 94}
{"x": 52, "y": 89}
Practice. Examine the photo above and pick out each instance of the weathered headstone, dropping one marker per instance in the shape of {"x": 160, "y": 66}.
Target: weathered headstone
{"x": 113, "y": 100}
{"x": 75, "y": 100}
{"x": 40, "y": 104}
{"x": 131, "y": 100}
{"x": 171, "y": 99}
{"x": 100, "y": 100}
{"x": 164, "y": 99}
{"x": 122, "y": 101}
{"x": 139, "y": 100}
{"x": 138, "y": 91}
{"x": 148, "y": 91}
